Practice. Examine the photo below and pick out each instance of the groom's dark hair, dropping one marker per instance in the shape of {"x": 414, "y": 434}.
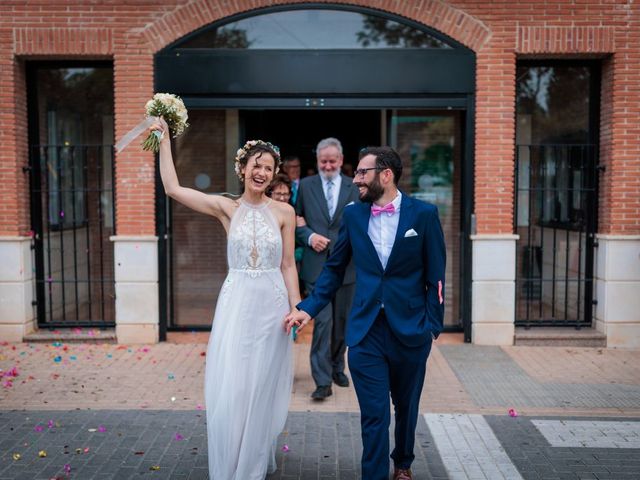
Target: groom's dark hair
{"x": 386, "y": 157}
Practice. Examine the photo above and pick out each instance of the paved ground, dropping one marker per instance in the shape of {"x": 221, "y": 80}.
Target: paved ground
{"x": 115, "y": 412}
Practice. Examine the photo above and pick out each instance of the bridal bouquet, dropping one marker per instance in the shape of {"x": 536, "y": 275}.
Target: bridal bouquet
{"x": 172, "y": 109}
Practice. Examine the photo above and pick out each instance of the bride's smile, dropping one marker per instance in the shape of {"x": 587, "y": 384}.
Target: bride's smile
{"x": 259, "y": 172}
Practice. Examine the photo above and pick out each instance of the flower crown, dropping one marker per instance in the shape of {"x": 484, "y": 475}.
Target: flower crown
{"x": 242, "y": 152}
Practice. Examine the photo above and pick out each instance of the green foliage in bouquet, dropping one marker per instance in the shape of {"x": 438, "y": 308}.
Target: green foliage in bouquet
{"x": 172, "y": 109}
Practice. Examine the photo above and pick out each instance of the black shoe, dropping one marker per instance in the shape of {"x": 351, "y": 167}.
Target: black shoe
{"x": 340, "y": 379}
{"x": 322, "y": 392}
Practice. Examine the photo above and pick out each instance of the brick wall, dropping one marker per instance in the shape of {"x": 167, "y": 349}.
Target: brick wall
{"x": 499, "y": 32}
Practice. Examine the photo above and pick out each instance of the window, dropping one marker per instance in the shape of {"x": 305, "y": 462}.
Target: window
{"x": 74, "y": 108}
{"x": 314, "y": 29}
{"x": 553, "y": 138}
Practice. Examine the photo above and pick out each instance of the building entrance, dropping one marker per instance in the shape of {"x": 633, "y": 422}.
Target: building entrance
{"x": 430, "y": 143}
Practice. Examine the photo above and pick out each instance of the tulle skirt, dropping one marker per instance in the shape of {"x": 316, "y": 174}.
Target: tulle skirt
{"x": 248, "y": 375}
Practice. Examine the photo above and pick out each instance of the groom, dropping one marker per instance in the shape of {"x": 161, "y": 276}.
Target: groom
{"x": 397, "y": 245}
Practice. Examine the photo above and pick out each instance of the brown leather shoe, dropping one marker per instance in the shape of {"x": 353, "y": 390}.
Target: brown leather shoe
{"x": 402, "y": 474}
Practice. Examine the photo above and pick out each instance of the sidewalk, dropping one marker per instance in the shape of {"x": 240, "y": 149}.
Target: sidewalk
{"x": 578, "y": 414}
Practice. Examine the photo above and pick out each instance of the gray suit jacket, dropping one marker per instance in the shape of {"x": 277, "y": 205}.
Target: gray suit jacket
{"x": 312, "y": 205}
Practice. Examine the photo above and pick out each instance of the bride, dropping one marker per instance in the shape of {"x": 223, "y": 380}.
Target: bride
{"x": 249, "y": 366}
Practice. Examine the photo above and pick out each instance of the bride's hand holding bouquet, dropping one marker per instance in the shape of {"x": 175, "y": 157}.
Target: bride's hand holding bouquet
{"x": 173, "y": 116}
{"x": 165, "y": 113}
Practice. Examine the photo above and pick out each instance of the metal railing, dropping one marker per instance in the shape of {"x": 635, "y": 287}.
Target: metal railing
{"x": 556, "y": 215}
{"x": 72, "y": 217}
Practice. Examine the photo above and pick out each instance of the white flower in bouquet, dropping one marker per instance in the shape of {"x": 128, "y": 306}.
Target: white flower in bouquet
{"x": 172, "y": 109}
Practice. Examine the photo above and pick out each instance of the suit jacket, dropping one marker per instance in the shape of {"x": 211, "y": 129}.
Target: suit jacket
{"x": 411, "y": 288}
{"x": 312, "y": 205}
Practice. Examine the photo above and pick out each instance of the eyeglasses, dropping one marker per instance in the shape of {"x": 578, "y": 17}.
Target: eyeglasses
{"x": 363, "y": 171}
{"x": 281, "y": 194}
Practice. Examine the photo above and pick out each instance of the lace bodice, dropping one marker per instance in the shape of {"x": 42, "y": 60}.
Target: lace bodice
{"x": 254, "y": 244}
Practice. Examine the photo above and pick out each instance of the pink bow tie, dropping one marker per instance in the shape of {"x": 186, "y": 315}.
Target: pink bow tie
{"x": 376, "y": 210}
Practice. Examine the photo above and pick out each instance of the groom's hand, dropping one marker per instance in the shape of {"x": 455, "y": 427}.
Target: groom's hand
{"x": 297, "y": 318}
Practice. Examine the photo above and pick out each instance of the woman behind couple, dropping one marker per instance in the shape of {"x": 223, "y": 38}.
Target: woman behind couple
{"x": 249, "y": 366}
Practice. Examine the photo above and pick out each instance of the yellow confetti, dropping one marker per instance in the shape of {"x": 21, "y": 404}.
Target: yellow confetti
{"x": 17, "y": 456}
{"x": 154, "y": 468}
{"x": 42, "y": 453}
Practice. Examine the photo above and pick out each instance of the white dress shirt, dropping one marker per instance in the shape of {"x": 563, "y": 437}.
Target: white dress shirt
{"x": 382, "y": 230}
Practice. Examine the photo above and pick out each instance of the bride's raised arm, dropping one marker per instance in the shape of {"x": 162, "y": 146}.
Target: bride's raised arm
{"x": 215, "y": 205}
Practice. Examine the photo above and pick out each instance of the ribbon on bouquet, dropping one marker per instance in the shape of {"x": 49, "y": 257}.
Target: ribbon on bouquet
{"x": 135, "y": 132}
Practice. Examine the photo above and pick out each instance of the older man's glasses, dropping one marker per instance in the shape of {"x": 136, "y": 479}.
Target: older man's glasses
{"x": 361, "y": 172}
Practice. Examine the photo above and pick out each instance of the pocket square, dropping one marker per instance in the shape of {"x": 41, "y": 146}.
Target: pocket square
{"x": 350, "y": 203}
{"x": 410, "y": 233}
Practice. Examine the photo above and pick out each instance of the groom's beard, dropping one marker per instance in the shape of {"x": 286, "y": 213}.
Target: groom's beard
{"x": 374, "y": 190}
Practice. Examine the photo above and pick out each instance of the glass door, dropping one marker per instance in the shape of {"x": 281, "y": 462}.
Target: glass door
{"x": 430, "y": 145}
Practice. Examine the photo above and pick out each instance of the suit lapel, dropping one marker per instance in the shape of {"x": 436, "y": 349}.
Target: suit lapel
{"x": 404, "y": 222}
{"x": 342, "y": 196}
{"x": 318, "y": 192}
{"x": 362, "y": 223}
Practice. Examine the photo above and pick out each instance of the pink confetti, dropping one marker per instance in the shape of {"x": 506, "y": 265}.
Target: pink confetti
{"x": 198, "y": 407}
{"x": 102, "y": 429}
{"x": 512, "y": 412}
{"x": 50, "y": 424}
{"x": 285, "y": 448}
{"x": 178, "y": 437}
{"x": 38, "y": 428}
{"x": 67, "y": 468}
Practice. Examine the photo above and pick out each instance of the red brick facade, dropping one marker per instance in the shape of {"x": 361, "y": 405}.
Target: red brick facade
{"x": 498, "y": 32}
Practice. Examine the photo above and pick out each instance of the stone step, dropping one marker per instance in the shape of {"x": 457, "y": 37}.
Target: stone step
{"x": 560, "y": 337}
{"x": 73, "y": 335}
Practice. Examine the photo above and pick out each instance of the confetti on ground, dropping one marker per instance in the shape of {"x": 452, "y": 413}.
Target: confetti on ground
{"x": 154, "y": 468}
{"x": 17, "y": 456}
{"x": 178, "y": 437}
{"x": 513, "y": 412}
{"x": 42, "y": 453}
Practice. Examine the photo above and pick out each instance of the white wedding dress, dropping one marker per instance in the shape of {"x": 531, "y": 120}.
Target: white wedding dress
{"x": 249, "y": 372}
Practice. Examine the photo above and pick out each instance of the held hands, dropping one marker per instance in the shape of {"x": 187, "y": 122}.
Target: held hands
{"x": 296, "y": 318}
{"x": 319, "y": 242}
{"x": 160, "y": 125}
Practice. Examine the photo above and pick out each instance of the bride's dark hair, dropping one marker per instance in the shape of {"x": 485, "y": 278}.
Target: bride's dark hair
{"x": 252, "y": 148}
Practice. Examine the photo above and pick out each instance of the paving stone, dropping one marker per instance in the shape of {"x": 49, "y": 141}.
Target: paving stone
{"x": 492, "y": 377}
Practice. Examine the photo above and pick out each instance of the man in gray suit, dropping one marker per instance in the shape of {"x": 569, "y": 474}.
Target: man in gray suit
{"x": 321, "y": 199}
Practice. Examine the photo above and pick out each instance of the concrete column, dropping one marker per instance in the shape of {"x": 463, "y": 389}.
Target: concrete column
{"x": 617, "y": 289}
{"x": 493, "y": 289}
{"x": 136, "y": 275}
{"x": 17, "y": 289}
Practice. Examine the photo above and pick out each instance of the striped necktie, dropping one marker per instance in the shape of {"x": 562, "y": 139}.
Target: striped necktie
{"x": 330, "y": 198}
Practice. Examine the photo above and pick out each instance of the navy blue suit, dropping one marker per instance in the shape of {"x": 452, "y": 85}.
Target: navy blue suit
{"x": 388, "y": 347}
